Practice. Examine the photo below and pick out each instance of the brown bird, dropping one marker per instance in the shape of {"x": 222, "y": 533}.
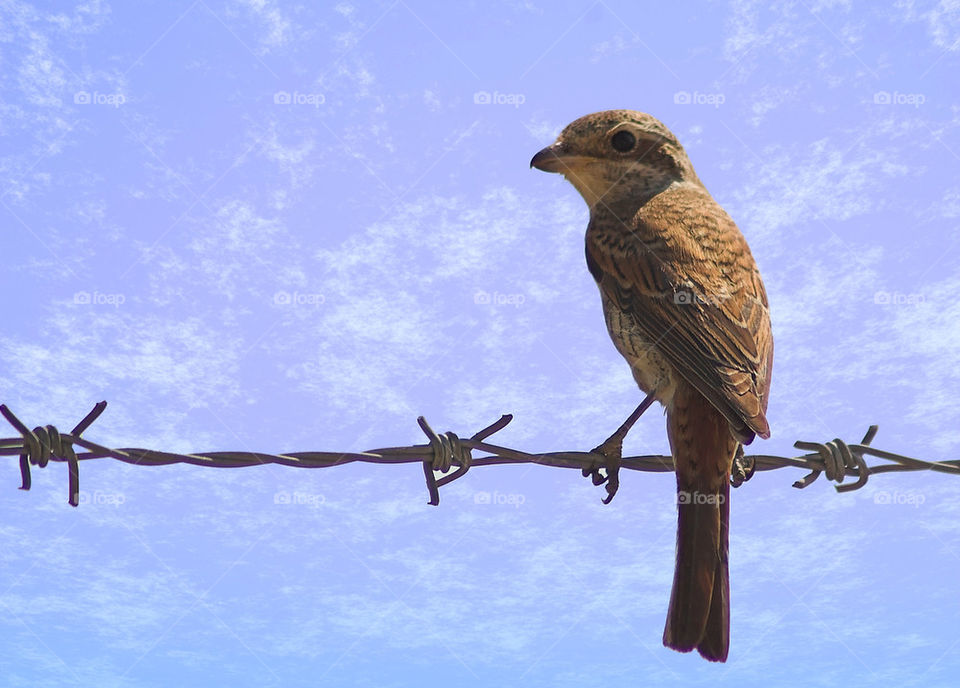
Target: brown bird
{"x": 685, "y": 306}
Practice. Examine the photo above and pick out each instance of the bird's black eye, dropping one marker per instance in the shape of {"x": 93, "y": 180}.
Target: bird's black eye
{"x": 623, "y": 141}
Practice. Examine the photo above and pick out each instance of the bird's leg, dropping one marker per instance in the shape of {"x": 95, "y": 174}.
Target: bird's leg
{"x": 611, "y": 450}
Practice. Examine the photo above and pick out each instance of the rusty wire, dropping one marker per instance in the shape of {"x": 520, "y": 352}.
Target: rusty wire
{"x": 837, "y": 459}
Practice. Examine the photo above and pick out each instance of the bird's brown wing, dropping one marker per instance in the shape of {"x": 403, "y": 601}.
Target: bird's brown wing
{"x": 684, "y": 272}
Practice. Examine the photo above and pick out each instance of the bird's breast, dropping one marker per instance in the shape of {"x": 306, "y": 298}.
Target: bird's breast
{"x": 650, "y": 369}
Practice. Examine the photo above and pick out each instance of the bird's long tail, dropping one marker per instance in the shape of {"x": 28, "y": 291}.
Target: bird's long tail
{"x": 703, "y": 450}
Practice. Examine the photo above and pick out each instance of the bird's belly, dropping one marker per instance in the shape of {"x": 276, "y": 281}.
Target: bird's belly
{"x": 650, "y": 369}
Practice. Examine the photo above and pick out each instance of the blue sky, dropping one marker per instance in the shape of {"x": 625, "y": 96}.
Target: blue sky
{"x": 265, "y": 226}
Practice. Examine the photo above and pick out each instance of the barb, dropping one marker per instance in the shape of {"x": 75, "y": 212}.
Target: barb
{"x": 835, "y": 458}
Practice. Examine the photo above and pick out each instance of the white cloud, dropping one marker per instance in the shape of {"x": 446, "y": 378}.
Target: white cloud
{"x": 277, "y": 29}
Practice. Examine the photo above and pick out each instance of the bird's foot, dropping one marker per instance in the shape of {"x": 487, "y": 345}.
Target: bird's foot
{"x": 611, "y": 450}
{"x": 742, "y": 469}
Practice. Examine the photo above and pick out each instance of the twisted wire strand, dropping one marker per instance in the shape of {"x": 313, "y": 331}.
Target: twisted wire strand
{"x": 445, "y": 451}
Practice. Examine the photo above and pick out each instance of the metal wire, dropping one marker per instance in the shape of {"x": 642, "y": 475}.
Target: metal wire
{"x": 445, "y": 451}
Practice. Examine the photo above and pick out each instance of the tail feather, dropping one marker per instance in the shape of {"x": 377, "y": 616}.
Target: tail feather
{"x": 703, "y": 450}
{"x": 716, "y": 635}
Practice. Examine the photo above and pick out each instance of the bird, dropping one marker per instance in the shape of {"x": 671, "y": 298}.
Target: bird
{"x": 685, "y": 305}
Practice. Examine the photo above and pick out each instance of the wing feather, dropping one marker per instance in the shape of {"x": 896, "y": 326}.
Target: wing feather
{"x": 684, "y": 272}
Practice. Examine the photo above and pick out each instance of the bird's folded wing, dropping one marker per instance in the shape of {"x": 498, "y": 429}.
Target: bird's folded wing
{"x": 703, "y": 308}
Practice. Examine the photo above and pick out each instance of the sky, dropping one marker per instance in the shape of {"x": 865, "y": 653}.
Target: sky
{"x": 258, "y": 225}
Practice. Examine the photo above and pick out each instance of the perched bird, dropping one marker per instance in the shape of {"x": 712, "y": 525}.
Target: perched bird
{"x": 685, "y": 306}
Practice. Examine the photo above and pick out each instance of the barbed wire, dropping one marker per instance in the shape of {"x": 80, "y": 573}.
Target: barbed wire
{"x": 446, "y": 451}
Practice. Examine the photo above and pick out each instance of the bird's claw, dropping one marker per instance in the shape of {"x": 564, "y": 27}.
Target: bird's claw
{"x": 611, "y": 452}
{"x": 743, "y": 468}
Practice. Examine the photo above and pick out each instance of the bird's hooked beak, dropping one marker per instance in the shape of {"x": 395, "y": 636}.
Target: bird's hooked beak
{"x": 575, "y": 167}
{"x": 550, "y": 159}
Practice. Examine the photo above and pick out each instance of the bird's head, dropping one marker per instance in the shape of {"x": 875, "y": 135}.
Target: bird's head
{"x": 617, "y": 156}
